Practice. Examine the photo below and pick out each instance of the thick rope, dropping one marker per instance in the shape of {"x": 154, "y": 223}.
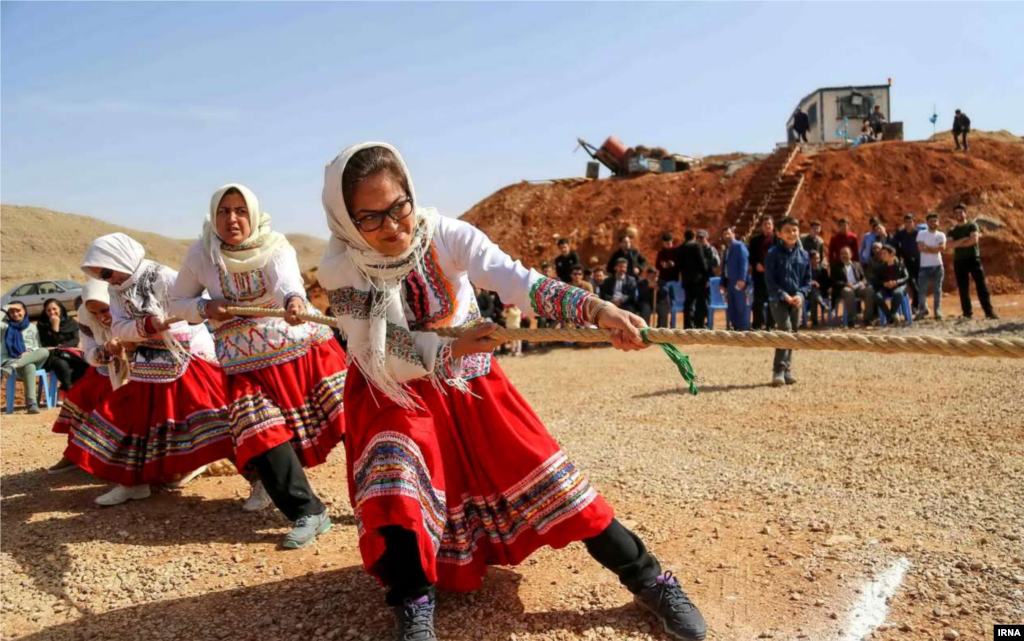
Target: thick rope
{"x": 819, "y": 341}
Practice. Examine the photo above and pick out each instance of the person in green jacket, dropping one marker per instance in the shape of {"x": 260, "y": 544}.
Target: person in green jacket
{"x": 20, "y": 352}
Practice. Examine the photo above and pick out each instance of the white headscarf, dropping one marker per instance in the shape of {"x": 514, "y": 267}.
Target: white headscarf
{"x": 255, "y": 250}
{"x": 350, "y": 262}
{"x": 123, "y": 253}
{"x": 97, "y": 290}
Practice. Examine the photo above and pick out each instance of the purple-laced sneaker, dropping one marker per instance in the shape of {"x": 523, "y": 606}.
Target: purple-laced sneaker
{"x": 414, "y": 620}
{"x": 666, "y": 600}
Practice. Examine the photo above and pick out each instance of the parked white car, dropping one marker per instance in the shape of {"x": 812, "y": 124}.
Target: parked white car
{"x": 34, "y": 294}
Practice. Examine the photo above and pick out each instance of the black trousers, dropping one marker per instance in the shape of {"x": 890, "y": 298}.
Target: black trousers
{"x": 763, "y": 319}
{"x": 695, "y": 307}
{"x": 957, "y": 136}
{"x": 914, "y": 269}
{"x": 966, "y": 269}
{"x": 616, "y": 548}
{"x": 286, "y": 483}
{"x": 801, "y": 136}
{"x": 67, "y": 367}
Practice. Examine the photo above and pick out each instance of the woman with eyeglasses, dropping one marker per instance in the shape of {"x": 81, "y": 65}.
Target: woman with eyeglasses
{"x": 286, "y": 377}
{"x": 105, "y": 371}
{"x": 171, "y": 418}
{"x": 449, "y": 468}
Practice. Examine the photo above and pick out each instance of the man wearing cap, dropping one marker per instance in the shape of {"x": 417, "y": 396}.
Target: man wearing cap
{"x": 842, "y": 238}
{"x": 905, "y": 242}
{"x": 963, "y": 240}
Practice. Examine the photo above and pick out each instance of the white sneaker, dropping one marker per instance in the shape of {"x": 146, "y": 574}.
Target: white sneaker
{"x": 258, "y": 498}
{"x": 123, "y": 493}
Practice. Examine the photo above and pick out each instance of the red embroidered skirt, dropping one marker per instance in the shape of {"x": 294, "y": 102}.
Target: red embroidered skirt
{"x": 478, "y": 478}
{"x": 83, "y": 398}
{"x": 301, "y": 401}
{"x": 148, "y": 432}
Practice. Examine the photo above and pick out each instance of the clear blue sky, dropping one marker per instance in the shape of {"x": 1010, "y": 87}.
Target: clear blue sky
{"x": 136, "y": 112}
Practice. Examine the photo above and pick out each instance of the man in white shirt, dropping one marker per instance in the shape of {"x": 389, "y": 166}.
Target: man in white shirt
{"x": 932, "y": 243}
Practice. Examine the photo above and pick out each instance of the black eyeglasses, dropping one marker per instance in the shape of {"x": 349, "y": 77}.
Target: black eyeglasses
{"x": 375, "y": 220}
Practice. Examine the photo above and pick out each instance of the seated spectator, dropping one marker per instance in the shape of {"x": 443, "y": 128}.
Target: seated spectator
{"x": 20, "y": 352}
{"x": 635, "y": 261}
{"x": 653, "y": 296}
{"x": 866, "y": 133}
{"x": 890, "y": 281}
{"x": 817, "y": 297}
{"x": 849, "y": 282}
{"x": 548, "y": 270}
{"x": 598, "y": 281}
{"x": 577, "y": 280}
{"x": 566, "y": 260}
{"x": 58, "y": 332}
{"x": 621, "y": 288}
{"x": 665, "y": 262}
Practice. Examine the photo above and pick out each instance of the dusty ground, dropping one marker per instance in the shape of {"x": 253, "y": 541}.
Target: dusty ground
{"x": 776, "y": 507}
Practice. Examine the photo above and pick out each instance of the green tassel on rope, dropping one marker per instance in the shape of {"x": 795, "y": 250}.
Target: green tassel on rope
{"x": 681, "y": 361}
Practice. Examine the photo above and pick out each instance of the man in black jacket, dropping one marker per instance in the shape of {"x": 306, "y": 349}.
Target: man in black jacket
{"x": 759, "y": 245}
{"x": 620, "y": 289}
{"x": 961, "y": 127}
{"x": 801, "y": 125}
{"x": 693, "y": 265}
{"x": 634, "y": 259}
{"x": 890, "y": 281}
{"x": 565, "y": 261}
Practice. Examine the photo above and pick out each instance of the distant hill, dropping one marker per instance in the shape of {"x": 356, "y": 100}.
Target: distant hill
{"x": 38, "y": 243}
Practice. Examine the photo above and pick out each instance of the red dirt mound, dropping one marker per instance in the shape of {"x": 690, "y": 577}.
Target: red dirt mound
{"x": 882, "y": 179}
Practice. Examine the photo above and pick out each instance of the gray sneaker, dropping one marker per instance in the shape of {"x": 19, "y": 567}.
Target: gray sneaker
{"x": 414, "y": 620}
{"x": 789, "y": 378}
{"x": 33, "y": 409}
{"x": 666, "y": 600}
{"x": 778, "y": 379}
{"x": 306, "y": 529}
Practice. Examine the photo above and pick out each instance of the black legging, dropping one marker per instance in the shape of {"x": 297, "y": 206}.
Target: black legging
{"x": 616, "y": 548}
{"x": 68, "y": 368}
{"x": 285, "y": 481}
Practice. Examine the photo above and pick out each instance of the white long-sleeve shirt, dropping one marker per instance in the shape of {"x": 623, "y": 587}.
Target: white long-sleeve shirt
{"x": 440, "y": 294}
{"x": 245, "y": 344}
{"x": 152, "y": 361}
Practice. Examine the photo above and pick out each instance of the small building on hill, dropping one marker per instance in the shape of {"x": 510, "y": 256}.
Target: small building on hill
{"x": 827, "y": 108}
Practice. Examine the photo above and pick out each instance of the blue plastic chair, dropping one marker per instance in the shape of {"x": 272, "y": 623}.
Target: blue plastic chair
{"x": 717, "y": 301}
{"x": 678, "y": 298}
{"x": 48, "y": 389}
{"x": 905, "y": 310}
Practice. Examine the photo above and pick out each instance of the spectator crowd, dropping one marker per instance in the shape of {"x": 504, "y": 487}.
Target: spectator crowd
{"x": 780, "y": 278}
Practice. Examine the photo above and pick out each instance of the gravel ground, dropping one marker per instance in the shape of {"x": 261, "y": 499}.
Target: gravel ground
{"x": 774, "y": 506}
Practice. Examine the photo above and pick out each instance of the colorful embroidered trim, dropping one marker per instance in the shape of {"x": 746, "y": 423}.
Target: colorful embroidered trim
{"x": 154, "y": 363}
{"x": 442, "y": 289}
{"x": 247, "y": 344}
{"x": 173, "y": 438}
{"x": 243, "y": 286}
{"x": 557, "y": 301}
{"x": 400, "y": 343}
{"x": 255, "y": 413}
{"x": 349, "y": 301}
{"x": 392, "y": 466}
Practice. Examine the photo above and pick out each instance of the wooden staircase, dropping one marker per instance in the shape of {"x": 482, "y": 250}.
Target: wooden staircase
{"x": 772, "y": 191}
